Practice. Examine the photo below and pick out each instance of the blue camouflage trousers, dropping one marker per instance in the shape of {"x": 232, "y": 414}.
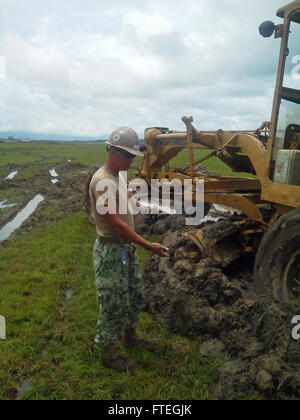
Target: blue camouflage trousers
{"x": 120, "y": 290}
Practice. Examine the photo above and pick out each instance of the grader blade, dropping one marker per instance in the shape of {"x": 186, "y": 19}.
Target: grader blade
{"x": 218, "y": 242}
{"x": 226, "y": 241}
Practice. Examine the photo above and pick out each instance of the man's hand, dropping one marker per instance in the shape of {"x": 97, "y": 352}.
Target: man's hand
{"x": 159, "y": 250}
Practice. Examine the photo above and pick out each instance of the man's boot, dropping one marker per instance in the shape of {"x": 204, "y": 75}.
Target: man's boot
{"x": 112, "y": 359}
{"x": 131, "y": 339}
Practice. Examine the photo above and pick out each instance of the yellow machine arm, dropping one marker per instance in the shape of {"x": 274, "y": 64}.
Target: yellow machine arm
{"x": 242, "y": 151}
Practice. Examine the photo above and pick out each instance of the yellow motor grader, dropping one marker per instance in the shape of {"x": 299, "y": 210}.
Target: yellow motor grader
{"x": 272, "y": 153}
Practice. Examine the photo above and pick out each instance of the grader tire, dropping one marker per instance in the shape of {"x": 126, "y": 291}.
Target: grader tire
{"x": 277, "y": 265}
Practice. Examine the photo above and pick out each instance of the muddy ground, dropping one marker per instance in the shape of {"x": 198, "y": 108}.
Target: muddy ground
{"x": 197, "y": 298}
{"x": 192, "y": 295}
{"x": 67, "y": 195}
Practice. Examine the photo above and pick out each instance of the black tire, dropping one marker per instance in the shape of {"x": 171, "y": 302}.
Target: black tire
{"x": 277, "y": 264}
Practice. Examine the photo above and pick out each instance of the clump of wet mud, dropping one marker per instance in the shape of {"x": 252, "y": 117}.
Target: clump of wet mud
{"x": 196, "y": 298}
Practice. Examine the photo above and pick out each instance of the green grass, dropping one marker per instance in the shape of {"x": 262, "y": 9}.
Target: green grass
{"x": 51, "y": 340}
{"x": 10, "y": 157}
{"x": 39, "y": 155}
{"x": 12, "y": 195}
{"x": 18, "y": 153}
{"x": 213, "y": 165}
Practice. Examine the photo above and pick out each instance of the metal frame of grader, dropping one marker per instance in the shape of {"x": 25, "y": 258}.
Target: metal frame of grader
{"x": 243, "y": 151}
{"x": 162, "y": 145}
{"x": 244, "y": 193}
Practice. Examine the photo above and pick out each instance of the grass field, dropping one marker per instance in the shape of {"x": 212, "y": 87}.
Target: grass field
{"x": 49, "y": 337}
{"x": 37, "y": 155}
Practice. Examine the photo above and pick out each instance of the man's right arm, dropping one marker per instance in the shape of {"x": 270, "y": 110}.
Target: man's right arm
{"x": 130, "y": 235}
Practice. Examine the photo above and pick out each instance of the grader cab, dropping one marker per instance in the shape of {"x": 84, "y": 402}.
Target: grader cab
{"x": 271, "y": 153}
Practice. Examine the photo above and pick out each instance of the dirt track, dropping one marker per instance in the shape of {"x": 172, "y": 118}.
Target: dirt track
{"x": 68, "y": 195}
{"x": 196, "y": 298}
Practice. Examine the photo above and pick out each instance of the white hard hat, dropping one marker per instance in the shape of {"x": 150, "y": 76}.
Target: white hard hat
{"x": 125, "y": 138}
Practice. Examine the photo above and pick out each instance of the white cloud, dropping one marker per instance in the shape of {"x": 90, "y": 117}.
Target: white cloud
{"x": 147, "y": 25}
{"x": 84, "y": 68}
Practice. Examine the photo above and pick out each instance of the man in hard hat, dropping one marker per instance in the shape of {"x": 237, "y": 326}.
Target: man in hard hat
{"x": 118, "y": 280}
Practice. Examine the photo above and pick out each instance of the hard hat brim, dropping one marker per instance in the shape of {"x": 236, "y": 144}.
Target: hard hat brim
{"x": 127, "y": 149}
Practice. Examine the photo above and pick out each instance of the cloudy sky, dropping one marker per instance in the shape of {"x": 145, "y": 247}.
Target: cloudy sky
{"x": 86, "y": 67}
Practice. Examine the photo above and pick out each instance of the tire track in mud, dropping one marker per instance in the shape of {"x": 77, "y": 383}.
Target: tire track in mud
{"x": 69, "y": 193}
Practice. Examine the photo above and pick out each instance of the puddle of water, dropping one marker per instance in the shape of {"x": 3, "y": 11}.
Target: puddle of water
{"x": 2, "y": 328}
{"x": 5, "y": 206}
{"x": 164, "y": 209}
{"x": 23, "y": 215}
{"x": 69, "y": 294}
{"x": 222, "y": 210}
{"x": 11, "y": 175}
{"x": 53, "y": 173}
{"x": 226, "y": 209}
{"x": 222, "y": 213}
{"x": 209, "y": 218}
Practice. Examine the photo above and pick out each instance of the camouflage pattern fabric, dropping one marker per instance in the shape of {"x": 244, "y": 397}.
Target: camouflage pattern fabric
{"x": 120, "y": 290}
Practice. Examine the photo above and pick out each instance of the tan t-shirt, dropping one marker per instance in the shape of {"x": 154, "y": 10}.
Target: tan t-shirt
{"x": 97, "y": 197}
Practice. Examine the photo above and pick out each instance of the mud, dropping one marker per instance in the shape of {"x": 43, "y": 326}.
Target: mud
{"x": 68, "y": 195}
{"x": 17, "y": 222}
{"x": 198, "y": 299}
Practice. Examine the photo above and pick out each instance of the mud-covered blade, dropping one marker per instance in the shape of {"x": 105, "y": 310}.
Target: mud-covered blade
{"x": 219, "y": 242}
